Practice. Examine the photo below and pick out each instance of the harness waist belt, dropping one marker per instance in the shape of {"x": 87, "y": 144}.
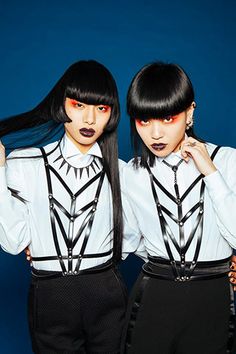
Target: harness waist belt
{"x": 162, "y": 269}
{"x": 47, "y": 274}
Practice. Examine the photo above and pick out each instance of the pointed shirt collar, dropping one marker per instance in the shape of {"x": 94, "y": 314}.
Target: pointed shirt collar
{"x": 173, "y": 158}
{"x": 75, "y": 157}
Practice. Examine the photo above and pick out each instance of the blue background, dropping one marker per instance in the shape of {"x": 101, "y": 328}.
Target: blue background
{"x": 39, "y": 40}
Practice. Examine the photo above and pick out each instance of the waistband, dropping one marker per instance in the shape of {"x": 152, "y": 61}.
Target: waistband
{"x": 162, "y": 269}
{"x": 47, "y": 274}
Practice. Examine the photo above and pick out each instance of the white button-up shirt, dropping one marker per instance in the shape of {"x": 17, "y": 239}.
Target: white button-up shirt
{"x": 28, "y": 224}
{"x": 219, "y": 224}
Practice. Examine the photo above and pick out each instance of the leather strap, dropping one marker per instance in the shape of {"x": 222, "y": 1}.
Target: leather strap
{"x": 74, "y": 256}
{"x": 44, "y": 275}
{"x": 161, "y": 269}
{"x": 71, "y": 215}
{"x": 183, "y": 246}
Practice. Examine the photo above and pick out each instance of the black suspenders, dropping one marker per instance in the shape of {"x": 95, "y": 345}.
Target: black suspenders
{"x": 185, "y": 271}
{"x": 86, "y": 225}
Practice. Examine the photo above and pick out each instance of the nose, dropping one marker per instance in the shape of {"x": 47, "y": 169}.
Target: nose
{"x": 157, "y": 129}
{"x": 89, "y": 115}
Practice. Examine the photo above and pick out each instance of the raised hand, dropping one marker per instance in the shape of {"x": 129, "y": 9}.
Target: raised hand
{"x": 192, "y": 148}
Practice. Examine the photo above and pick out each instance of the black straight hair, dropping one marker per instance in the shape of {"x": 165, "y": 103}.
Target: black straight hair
{"x": 158, "y": 90}
{"x": 91, "y": 83}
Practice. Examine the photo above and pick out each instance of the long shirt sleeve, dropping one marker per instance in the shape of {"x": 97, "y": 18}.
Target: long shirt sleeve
{"x": 221, "y": 186}
{"x": 133, "y": 241}
{"x": 14, "y": 213}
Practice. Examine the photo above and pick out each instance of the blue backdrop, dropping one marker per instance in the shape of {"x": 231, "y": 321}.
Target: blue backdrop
{"x": 39, "y": 40}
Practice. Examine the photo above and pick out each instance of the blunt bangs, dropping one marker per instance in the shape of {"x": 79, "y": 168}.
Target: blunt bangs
{"x": 91, "y": 83}
{"x": 159, "y": 90}
{"x": 88, "y": 82}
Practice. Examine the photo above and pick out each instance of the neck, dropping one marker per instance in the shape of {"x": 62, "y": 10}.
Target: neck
{"x": 82, "y": 148}
{"x": 178, "y": 146}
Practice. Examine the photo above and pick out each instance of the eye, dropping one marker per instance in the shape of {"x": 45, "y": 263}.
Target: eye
{"x": 143, "y": 122}
{"x": 104, "y": 108}
{"x": 75, "y": 103}
{"x": 168, "y": 119}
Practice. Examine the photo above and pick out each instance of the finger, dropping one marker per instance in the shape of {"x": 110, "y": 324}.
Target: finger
{"x": 191, "y": 139}
{"x": 194, "y": 141}
{"x": 233, "y": 259}
{"x": 189, "y": 150}
{"x": 232, "y": 275}
{"x": 183, "y": 151}
{"x": 233, "y": 266}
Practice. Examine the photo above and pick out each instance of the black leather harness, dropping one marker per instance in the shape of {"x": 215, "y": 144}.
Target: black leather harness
{"x": 182, "y": 270}
{"x": 68, "y": 238}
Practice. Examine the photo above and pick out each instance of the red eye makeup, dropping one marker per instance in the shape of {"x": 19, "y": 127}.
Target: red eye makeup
{"x": 142, "y": 122}
{"x": 73, "y": 102}
{"x": 104, "y": 108}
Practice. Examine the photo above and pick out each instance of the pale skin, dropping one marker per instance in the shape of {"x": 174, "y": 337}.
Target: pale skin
{"x": 85, "y": 116}
{"x": 171, "y": 133}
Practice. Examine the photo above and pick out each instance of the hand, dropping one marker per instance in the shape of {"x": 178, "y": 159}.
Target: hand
{"x": 2, "y": 155}
{"x": 192, "y": 148}
{"x": 232, "y": 273}
{"x": 28, "y": 255}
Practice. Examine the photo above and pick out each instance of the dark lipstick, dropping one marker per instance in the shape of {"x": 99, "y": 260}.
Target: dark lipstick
{"x": 158, "y": 147}
{"x": 87, "y": 133}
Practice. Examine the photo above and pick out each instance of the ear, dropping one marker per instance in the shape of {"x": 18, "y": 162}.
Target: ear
{"x": 189, "y": 112}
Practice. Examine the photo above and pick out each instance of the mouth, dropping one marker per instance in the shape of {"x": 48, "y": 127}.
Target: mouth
{"x": 158, "y": 147}
{"x": 87, "y": 133}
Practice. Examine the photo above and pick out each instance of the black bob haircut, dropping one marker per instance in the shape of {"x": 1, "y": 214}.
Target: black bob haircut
{"x": 91, "y": 83}
{"x": 158, "y": 90}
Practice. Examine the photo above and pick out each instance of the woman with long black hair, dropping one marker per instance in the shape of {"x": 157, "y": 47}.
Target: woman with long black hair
{"x": 63, "y": 201}
{"x": 182, "y": 194}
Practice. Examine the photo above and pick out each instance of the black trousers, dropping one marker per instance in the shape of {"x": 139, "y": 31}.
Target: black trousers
{"x": 77, "y": 314}
{"x": 168, "y": 317}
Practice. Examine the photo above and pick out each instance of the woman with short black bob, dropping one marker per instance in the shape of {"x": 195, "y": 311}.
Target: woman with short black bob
{"x": 54, "y": 199}
{"x": 186, "y": 192}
